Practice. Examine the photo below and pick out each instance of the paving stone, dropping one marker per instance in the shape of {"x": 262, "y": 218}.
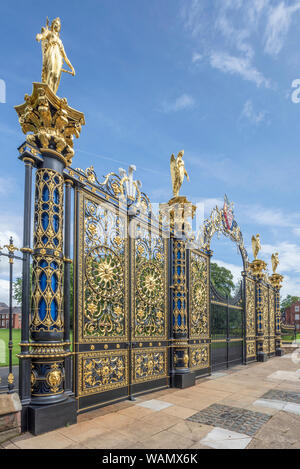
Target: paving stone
{"x": 219, "y": 438}
{"x": 279, "y": 395}
{"x": 155, "y": 404}
{"x": 231, "y": 418}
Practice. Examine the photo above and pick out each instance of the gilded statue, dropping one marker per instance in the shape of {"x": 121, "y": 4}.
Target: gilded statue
{"x": 256, "y": 245}
{"x": 54, "y": 55}
{"x": 275, "y": 262}
{"x": 178, "y": 172}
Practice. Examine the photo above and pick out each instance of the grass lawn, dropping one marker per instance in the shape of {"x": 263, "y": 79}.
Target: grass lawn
{"x": 290, "y": 337}
{"x": 16, "y": 335}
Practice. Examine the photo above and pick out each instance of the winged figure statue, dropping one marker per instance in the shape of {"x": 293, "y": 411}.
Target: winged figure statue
{"x": 275, "y": 262}
{"x": 256, "y": 245}
{"x": 178, "y": 172}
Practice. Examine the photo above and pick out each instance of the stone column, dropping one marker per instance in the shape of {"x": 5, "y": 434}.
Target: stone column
{"x": 275, "y": 280}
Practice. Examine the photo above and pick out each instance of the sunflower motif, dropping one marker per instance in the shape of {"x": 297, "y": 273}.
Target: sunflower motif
{"x": 106, "y": 271}
{"x": 150, "y": 283}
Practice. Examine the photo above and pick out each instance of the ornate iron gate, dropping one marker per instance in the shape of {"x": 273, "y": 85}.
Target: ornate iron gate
{"x": 121, "y": 297}
{"x": 227, "y": 329}
{"x": 199, "y": 327}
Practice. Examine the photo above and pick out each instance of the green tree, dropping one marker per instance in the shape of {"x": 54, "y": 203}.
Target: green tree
{"x": 222, "y": 279}
{"x": 288, "y": 301}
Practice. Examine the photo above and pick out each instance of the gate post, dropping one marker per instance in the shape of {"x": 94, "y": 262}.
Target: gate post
{"x": 180, "y": 210}
{"x": 257, "y": 267}
{"x": 25, "y": 362}
{"x": 53, "y": 124}
{"x": 276, "y": 280}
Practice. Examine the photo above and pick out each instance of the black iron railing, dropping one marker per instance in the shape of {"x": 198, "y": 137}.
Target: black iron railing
{"x": 288, "y": 333}
{"x": 10, "y": 254}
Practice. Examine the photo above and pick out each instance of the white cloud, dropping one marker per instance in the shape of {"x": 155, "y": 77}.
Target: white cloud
{"x": 274, "y": 217}
{"x": 289, "y": 255}
{"x": 290, "y": 286}
{"x": 238, "y": 66}
{"x": 197, "y": 57}
{"x": 279, "y": 21}
{"x": 234, "y": 269}
{"x": 185, "y": 101}
{"x": 249, "y": 112}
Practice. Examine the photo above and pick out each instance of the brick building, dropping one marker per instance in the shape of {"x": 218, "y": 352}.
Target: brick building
{"x": 292, "y": 315}
{"x": 4, "y": 316}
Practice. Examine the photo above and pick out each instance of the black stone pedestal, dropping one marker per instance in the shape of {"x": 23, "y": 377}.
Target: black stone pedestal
{"x": 279, "y": 352}
{"x": 45, "y": 418}
{"x": 262, "y": 357}
{"x": 184, "y": 380}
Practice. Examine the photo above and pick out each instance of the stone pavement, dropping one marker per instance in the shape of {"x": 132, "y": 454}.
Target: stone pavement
{"x": 266, "y": 391}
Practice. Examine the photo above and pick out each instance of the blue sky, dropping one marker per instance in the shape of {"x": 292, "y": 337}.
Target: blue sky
{"x": 212, "y": 77}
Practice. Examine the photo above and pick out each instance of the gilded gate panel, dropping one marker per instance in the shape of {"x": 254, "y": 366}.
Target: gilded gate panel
{"x": 199, "y": 354}
{"x": 199, "y": 295}
{"x": 102, "y": 371}
{"x": 149, "y": 285}
{"x": 103, "y": 272}
{"x": 265, "y": 313}
{"x": 149, "y": 364}
{"x": 250, "y": 308}
{"x": 250, "y": 318}
{"x": 272, "y": 321}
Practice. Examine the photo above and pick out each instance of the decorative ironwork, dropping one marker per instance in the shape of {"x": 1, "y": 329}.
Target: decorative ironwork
{"x": 149, "y": 301}
{"x": 119, "y": 187}
{"x": 218, "y": 222}
{"x": 53, "y": 123}
{"x": 47, "y": 378}
{"x": 199, "y": 295}
{"x": 251, "y": 348}
{"x": 199, "y": 356}
{"x": 102, "y": 371}
{"x": 149, "y": 365}
{"x": 103, "y": 268}
{"x": 47, "y": 301}
{"x": 48, "y": 222}
{"x": 250, "y": 308}
{"x": 179, "y": 287}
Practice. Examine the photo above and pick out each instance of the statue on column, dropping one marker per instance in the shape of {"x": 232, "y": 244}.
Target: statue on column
{"x": 178, "y": 172}
{"x": 275, "y": 262}
{"x": 256, "y": 245}
{"x": 54, "y": 55}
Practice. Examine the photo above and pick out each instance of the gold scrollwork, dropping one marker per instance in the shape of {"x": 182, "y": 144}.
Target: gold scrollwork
{"x": 199, "y": 356}
{"x": 149, "y": 365}
{"x": 250, "y": 348}
{"x": 48, "y": 232}
{"x": 149, "y": 300}
{"x": 250, "y": 307}
{"x": 102, "y": 371}
{"x": 54, "y": 378}
{"x": 103, "y": 261}
{"x": 199, "y": 295}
